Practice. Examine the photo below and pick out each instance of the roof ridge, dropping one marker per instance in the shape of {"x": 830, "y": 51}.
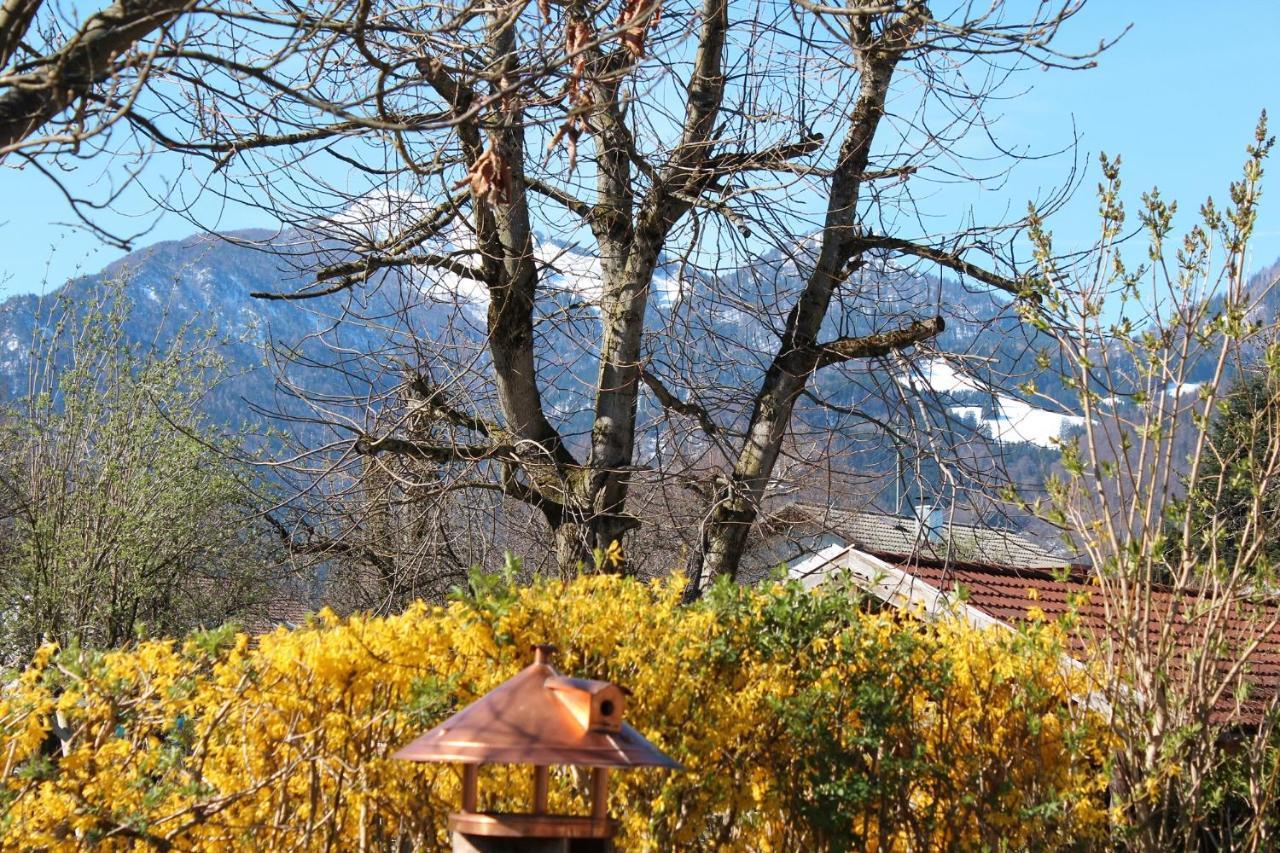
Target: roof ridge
{"x": 1076, "y": 572}
{"x": 876, "y": 513}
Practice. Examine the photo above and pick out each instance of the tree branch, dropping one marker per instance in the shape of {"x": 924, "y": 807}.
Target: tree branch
{"x": 880, "y": 343}
{"x": 949, "y": 260}
{"x": 571, "y": 203}
{"x": 370, "y": 446}
{"x": 365, "y": 266}
{"x": 15, "y": 19}
{"x": 675, "y": 404}
{"x": 431, "y": 402}
{"x": 91, "y": 56}
{"x": 525, "y": 493}
{"x": 768, "y": 158}
{"x": 350, "y": 273}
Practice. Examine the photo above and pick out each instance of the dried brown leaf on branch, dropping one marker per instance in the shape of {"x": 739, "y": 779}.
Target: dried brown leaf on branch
{"x": 634, "y": 22}
{"x": 489, "y": 177}
{"x": 578, "y": 36}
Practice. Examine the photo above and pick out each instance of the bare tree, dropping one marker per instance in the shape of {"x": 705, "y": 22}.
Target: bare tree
{"x": 420, "y": 153}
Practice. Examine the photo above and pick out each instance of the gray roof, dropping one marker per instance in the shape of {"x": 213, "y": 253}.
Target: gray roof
{"x": 903, "y": 537}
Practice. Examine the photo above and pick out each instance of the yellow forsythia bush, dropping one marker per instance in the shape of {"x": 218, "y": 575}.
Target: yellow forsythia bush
{"x": 805, "y": 720}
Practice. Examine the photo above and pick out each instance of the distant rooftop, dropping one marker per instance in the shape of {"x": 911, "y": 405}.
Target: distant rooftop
{"x": 991, "y": 596}
{"x": 903, "y": 538}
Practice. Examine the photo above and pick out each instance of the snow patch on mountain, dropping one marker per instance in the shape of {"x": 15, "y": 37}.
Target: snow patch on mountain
{"x": 567, "y": 270}
{"x": 1006, "y": 419}
{"x": 1018, "y": 421}
{"x": 377, "y": 215}
{"x": 941, "y": 376}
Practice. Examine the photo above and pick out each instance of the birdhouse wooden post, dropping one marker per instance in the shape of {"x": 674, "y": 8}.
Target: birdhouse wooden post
{"x": 541, "y": 719}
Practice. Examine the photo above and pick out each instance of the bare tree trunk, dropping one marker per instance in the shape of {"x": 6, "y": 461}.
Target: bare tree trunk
{"x": 573, "y": 547}
{"x": 630, "y": 256}
{"x": 737, "y": 499}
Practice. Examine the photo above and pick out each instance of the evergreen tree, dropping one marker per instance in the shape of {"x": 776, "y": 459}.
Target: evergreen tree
{"x": 1237, "y": 488}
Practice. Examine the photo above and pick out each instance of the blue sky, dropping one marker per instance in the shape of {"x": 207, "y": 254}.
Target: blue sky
{"x": 1178, "y": 98}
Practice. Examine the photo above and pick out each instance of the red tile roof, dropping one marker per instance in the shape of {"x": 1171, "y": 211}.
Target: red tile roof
{"x": 1009, "y": 594}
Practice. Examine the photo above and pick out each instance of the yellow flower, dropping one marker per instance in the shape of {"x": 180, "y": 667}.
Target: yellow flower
{"x": 290, "y": 734}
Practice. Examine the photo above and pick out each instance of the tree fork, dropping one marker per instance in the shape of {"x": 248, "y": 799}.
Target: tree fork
{"x": 737, "y": 503}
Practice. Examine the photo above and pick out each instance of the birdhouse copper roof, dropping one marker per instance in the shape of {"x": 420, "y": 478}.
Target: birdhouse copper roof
{"x": 542, "y": 718}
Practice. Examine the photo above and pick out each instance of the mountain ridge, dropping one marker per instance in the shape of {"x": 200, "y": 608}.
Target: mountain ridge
{"x": 208, "y": 278}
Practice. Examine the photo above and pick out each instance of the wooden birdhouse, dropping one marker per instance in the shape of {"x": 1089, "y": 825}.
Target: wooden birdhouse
{"x": 542, "y": 719}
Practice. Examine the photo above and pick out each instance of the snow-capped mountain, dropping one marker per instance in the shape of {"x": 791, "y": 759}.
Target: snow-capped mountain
{"x": 208, "y": 281}
{"x": 739, "y": 313}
